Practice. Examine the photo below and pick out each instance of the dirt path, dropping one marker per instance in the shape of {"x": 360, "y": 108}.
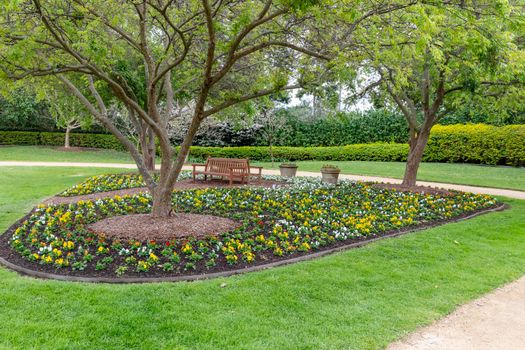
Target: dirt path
{"x": 465, "y": 188}
{"x": 496, "y": 321}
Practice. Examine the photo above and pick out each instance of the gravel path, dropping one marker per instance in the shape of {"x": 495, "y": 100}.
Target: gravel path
{"x": 465, "y": 188}
{"x": 496, "y": 321}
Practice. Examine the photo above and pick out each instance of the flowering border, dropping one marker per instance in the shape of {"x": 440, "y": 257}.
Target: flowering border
{"x": 278, "y": 223}
{"x": 127, "y": 280}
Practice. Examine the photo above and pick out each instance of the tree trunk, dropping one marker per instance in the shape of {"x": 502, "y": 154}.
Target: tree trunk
{"x": 66, "y": 141}
{"x": 147, "y": 145}
{"x": 162, "y": 200}
{"x": 415, "y": 154}
{"x": 271, "y": 150}
{"x": 149, "y": 159}
{"x": 169, "y": 174}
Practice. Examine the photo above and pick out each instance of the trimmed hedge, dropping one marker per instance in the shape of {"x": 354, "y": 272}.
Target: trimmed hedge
{"x": 387, "y": 152}
{"x": 474, "y": 143}
{"x": 44, "y": 138}
{"x": 477, "y": 143}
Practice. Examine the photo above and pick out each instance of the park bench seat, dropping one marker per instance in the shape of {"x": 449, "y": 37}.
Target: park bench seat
{"x": 233, "y": 169}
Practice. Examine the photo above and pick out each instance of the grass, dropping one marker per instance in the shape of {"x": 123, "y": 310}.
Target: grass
{"x": 464, "y": 174}
{"x": 359, "y": 299}
{"x": 54, "y": 154}
{"x": 21, "y": 187}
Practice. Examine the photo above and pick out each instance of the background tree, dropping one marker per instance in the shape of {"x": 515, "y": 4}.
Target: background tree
{"x": 272, "y": 120}
{"x": 20, "y": 109}
{"x": 69, "y": 114}
{"x": 432, "y": 58}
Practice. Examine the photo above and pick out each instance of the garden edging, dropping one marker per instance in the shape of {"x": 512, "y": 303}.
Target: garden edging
{"x": 124, "y": 280}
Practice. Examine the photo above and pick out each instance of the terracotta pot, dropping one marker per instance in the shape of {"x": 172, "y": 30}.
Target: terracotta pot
{"x": 330, "y": 175}
{"x": 288, "y": 170}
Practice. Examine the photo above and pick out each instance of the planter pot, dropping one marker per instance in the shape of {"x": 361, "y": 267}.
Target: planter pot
{"x": 330, "y": 176}
{"x": 287, "y": 170}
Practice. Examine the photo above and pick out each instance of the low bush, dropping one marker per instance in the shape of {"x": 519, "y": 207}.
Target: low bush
{"x": 370, "y": 151}
{"x": 44, "y": 138}
{"x": 477, "y": 143}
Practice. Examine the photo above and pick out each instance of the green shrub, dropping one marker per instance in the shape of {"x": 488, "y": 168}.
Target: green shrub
{"x": 57, "y": 139}
{"x": 19, "y": 138}
{"x": 341, "y": 129}
{"x": 371, "y": 151}
{"x": 477, "y": 143}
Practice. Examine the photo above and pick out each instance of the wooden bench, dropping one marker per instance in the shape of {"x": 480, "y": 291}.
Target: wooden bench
{"x": 233, "y": 169}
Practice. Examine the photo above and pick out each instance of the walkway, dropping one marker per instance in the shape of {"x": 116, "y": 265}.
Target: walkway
{"x": 496, "y": 321}
{"x": 465, "y": 188}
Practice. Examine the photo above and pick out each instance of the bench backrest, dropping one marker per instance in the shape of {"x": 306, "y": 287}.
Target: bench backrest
{"x": 223, "y": 165}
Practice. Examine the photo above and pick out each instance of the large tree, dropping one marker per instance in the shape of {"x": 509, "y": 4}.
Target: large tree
{"x": 432, "y": 58}
{"x": 214, "y": 53}
{"x": 210, "y": 55}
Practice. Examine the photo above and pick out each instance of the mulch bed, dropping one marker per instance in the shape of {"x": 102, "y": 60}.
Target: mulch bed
{"x": 145, "y": 227}
{"x": 187, "y": 184}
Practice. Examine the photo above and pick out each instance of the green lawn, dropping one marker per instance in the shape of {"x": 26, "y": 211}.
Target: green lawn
{"x": 465, "y": 174}
{"x": 21, "y": 187}
{"x": 54, "y": 154}
{"x": 358, "y": 299}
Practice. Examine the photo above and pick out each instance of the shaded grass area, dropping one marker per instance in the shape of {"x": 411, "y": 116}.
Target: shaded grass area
{"x": 358, "y": 299}
{"x": 55, "y": 154}
{"x": 464, "y": 174}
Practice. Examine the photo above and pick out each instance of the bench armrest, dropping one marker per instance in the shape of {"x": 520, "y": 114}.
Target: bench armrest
{"x": 259, "y": 172}
{"x": 194, "y": 165}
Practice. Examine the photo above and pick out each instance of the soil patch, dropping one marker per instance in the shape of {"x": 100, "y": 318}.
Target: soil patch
{"x": 415, "y": 189}
{"x": 144, "y": 227}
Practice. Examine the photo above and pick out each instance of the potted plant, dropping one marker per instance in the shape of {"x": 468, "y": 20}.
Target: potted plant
{"x": 288, "y": 169}
{"x": 330, "y": 174}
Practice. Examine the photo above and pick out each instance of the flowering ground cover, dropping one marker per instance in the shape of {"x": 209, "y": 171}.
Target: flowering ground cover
{"x": 277, "y": 223}
{"x": 105, "y": 183}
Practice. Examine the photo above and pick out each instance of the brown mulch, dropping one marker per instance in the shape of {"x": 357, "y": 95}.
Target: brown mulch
{"x": 144, "y": 227}
{"x": 415, "y": 189}
{"x": 180, "y": 185}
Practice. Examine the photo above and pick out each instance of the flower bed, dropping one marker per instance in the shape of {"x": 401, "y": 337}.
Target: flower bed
{"x": 105, "y": 183}
{"x": 277, "y": 223}
{"x": 111, "y": 182}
